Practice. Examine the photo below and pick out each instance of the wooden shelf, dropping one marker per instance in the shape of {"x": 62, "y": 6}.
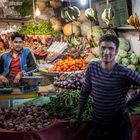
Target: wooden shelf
{"x": 19, "y": 20}
{"x": 18, "y": 96}
{"x": 127, "y": 27}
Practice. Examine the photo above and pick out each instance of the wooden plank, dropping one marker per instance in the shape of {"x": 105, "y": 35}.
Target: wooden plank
{"x": 15, "y": 96}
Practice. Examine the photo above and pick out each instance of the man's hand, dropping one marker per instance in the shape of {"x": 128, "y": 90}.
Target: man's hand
{"x": 17, "y": 79}
{"x": 4, "y": 80}
{"x": 75, "y": 123}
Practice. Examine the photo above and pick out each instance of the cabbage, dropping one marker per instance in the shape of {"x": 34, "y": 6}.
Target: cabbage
{"x": 124, "y": 44}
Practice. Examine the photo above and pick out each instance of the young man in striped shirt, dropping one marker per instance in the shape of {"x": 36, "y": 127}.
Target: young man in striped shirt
{"x": 108, "y": 83}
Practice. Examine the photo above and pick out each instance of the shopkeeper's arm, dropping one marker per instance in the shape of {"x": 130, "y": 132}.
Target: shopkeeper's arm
{"x": 133, "y": 101}
{"x": 2, "y": 78}
{"x": 1, "y": 65}
{"x": 31, "y": 64}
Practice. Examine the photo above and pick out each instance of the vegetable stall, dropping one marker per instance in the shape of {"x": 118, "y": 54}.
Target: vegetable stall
{"x": 63, "y": 47}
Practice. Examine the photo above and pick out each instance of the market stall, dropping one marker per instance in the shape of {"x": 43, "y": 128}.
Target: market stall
{"x": 64, "y": 40}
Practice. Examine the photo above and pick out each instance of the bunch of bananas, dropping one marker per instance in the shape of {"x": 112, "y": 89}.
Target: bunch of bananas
{"x": 72, "y": 40}
{"x": 107, "y": 16}
{"x": 91, "y": 14}
{"x": 70, "y": 13}
{"x": 134, "y": 21}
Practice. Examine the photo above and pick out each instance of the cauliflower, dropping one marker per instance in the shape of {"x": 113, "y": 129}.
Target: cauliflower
{"x": 122, "y": 53}
{"x": 118, "y": 59}
{"x": 133, "y": 55}
{"x": 125, "y": 61}
{"x": 131, "y": 67}
{"x": 124, "y": 44}
{"x": 134, "y": 59}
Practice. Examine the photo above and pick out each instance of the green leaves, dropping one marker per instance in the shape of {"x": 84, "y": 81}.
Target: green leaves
{"x": 64, "y": 106}
{"x": 26, "y": 8}
{"x": 43, "y": 27}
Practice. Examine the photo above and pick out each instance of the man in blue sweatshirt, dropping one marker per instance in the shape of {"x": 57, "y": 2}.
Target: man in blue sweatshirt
{"x": 17, "y": 62}
{"x": 108, "y": 83}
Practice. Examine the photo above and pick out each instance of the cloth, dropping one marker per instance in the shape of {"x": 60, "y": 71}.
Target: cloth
{"x": 59, "y": 130}
{"x": 14, "y": 67}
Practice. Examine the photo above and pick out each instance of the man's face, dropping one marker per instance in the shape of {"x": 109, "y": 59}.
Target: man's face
{"x": 108, "y": 51}
{"x": 18, "y": 44}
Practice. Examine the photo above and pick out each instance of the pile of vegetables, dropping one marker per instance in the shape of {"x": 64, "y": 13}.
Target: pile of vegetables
{"x": 43, "y": 27}
{"x": 69, "y": 64}
{"x": 64, "y": 106}
{"x": 24, "y": 119}
{"x": 70, "y": 81}
{"x": 127, "y": 57}
{"x": 2, "y": 51}
{"x": 25, "y": 9}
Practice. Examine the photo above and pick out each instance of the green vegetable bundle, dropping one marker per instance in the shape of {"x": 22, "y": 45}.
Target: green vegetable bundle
{"x": 64, "y": 106}
{"x": 43, "y": 27}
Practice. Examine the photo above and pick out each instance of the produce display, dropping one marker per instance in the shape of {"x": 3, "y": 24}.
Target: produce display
{"x": 64, "y": 106}
{"x": 127, "y": 57}
{"x": 107, "y": 16}
{"x": 26, "y": 118}
{"x": 135, "y": 22}
{"x": 31, "y": 118}
{"x": 39, "y": 44}
{"x": 70, "y": 81}
{"x": 70, "y": 13}
{"x": 43, "y": 27}
{"x": 71, "y": 28}
{"x": 2, "y": 51}
{"x": 82, "y": 16}
{"x": 91, "y": 14}
{"x": 69, "y": 64}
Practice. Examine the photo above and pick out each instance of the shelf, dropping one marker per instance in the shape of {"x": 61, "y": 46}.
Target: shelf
{"x": 19, "y": 20}
{"x": 19, "y": 95}
{"x": 127, "y": 27}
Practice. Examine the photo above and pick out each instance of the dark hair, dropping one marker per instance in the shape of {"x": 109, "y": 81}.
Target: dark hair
{"x": 109, "y": 37}
{"x": 13, "y": 36}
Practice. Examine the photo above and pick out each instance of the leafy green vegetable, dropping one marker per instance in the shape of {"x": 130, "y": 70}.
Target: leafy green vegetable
{"x": 43, "y": 27}
{"x": 64, "y": 106}
{"x": 26, "y": 8}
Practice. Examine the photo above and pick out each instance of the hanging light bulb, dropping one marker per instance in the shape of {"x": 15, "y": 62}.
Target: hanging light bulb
{"x": 37, "y": 12}
{"x": 83, "y": 2}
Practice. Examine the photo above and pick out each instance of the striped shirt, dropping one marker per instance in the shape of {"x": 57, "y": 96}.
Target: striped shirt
{"x": 108, "y": 88}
